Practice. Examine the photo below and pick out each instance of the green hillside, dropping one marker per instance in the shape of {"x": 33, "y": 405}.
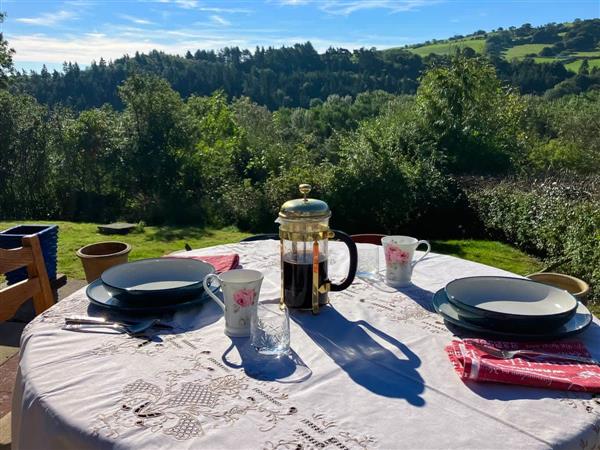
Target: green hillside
{"x": 569, "y": 43}
{"x": 574, "y": 65}
{"x": 449, "y": 47}
{"x": 520, "y": 51}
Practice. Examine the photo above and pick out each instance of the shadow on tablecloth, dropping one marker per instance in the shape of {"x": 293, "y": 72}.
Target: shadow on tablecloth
{"x": 351, "y": 346}
{"x": 284, "y": 369}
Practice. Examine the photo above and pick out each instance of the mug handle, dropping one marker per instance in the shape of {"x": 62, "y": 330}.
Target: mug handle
{"x": 426, "y": 253}
{"x": 353, "y": 261}
{"x": 207, "y": 283}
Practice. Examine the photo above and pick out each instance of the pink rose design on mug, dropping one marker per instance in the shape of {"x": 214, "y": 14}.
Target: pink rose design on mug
{"x": 395, "y": 255}
{"x": 244, "y": 297}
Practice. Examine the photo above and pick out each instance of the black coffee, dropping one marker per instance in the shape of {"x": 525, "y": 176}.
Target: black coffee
{"x": 298, "y": 280}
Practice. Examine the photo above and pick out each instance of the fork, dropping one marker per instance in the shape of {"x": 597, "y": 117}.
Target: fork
{"x": 83, "y": 320}
{"x": 510, "y": 354}
{"x": 132, "y": 330}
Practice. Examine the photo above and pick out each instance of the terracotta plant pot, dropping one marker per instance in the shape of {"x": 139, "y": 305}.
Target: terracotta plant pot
{"x": 98, "y": 257}
{"x": 574, "y": 286}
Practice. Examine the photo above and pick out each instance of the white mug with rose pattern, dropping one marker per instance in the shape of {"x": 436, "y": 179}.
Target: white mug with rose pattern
{"x": 399, "y": 264}
{"x": 240, "y": 295}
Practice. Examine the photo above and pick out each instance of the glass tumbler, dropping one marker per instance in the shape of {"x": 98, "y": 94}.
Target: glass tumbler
{"x": 368, "y": 261}
{"x": 270, "y": 328}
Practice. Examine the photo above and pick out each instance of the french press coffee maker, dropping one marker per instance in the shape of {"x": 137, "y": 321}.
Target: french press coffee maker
{"x": 304, "y": 233}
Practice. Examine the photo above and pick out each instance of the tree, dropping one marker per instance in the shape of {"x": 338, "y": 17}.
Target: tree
{"x": 6, "y": 63}
{"x": 584, "y": 68}
{"x": 26, "y": 189}
{"x": 473, "y": 120}
{"x": 88, "y": 163}
{"x": 159, "y": 140}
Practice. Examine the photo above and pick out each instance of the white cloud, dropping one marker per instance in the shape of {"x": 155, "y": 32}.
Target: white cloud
{"x": 347, "y": 7}
{"x": 224, "y": 10}
{"x": 219, "y": 20}
{"x": 187, "y": 4}
{"x": 48, "y": 19}
{"x": 195, "y": 4}
{"x": 294, "y": 2}
{"x": 136, "y": 20}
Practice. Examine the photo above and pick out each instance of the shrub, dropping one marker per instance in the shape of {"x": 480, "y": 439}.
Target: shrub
{"x": 553, "y": 219}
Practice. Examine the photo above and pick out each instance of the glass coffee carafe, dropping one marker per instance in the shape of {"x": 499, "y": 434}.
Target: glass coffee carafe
{"x": 304, "y": 232}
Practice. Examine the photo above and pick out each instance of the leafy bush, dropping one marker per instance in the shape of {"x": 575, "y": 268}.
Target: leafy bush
{"x": 552, "y": 219}
{"x": 473, "y": 120}
{"x": 565, "y": 134}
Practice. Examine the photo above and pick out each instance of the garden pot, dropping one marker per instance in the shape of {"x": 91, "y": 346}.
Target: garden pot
{"x": 98, "y": 257}
{"x": 48, "y": 236}
{"x": 574, "y": 286}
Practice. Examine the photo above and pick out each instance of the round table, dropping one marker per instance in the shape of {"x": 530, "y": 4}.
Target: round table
{"x": 369, "y": 372}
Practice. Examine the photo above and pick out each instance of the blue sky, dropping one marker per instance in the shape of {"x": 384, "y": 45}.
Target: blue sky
{"x": 50, "y": 31}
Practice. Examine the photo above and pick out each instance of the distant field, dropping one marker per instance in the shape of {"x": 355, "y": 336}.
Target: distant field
{"x": 545, "y": 59}
{"x": 594, "y": 54}
{"x": 519, "y": 51}
{"x": 516, "y": 52}
{"x": 574, "y": 66}
{"x": 447, "y": 48}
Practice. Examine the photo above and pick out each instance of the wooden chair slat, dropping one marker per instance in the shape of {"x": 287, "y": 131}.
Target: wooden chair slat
{"x": 15, "y": 295}
{"x": 15, "y": 258}
{"x": 45, "y": 299}
{"x": 36, "y": 286}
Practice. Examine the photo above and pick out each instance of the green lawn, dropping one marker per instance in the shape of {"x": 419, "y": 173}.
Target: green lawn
{"x": 157, "y": 241}
{"x": 491, "y": 253}
{"x": 152, "y": 242}
{"x": 447, "y": 48}
{"x": 519, "y": 51}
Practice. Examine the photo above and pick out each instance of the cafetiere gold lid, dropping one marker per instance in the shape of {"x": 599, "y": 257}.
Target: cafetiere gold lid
{"x": 305, "y": 208}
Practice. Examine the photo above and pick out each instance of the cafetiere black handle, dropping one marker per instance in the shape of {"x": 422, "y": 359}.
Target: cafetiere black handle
{"x": 353, "y": 261}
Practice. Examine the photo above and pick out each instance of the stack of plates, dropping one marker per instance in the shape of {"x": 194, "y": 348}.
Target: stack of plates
{"x": 511, "y": 308}
{"x": 151, "y": 285}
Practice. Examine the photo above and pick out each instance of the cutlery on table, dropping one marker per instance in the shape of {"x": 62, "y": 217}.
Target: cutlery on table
{"x": 82, "y": 320}
{"x": 133, "y": 330}
{"x": 510, "y": 354}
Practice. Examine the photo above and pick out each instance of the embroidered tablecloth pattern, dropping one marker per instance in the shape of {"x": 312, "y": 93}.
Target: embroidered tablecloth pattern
{"x": 369, "y": 372}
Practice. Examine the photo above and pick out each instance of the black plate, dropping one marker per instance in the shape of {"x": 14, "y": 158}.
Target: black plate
{"x": 153, "y": 279}
{"x": 511, "y": 322}
{"x": 579, "y": 322}
{"x": 101, "y": 297}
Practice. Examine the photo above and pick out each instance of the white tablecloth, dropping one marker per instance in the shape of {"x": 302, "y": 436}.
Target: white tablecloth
{"x": 368, "y": 372}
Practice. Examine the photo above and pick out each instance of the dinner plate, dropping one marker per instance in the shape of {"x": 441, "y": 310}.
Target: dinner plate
{"x": 101, "y": 297}
{"x": 516, "y": 300}
{"x": 579, "y": 322}
{"x": 157, "y": 278}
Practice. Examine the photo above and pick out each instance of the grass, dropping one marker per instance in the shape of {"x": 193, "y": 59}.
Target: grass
{"x": 447, "y": 48}
{"x": 491, "y": 253}
{"x": 594, "y": 54}
{"x": 519, "y": 51}
{"x": 575, "y": 65}
{"x": 151, "y": 242}
{"x": 157, "y": 241}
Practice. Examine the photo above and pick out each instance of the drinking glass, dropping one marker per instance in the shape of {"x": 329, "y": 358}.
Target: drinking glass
{"x": 270, "y": 328}
{"x": 368, "y": 261}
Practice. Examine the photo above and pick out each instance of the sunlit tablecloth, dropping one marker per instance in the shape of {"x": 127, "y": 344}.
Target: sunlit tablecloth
{"x": 369, "y": 372}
